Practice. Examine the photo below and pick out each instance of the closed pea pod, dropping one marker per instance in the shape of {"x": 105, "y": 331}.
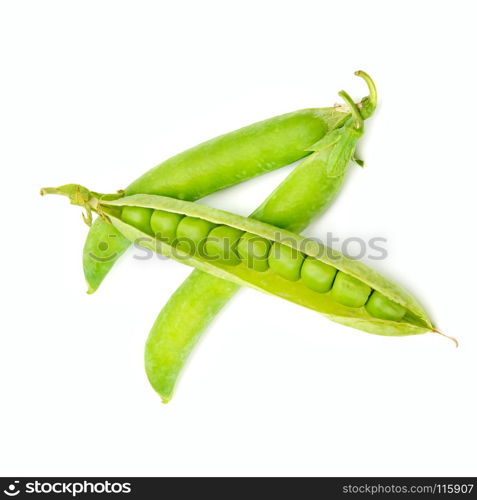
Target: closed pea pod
{"x": 309, "y": 190}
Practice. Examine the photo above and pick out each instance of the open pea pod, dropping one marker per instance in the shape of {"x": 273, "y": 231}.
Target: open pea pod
{"x": 414, "y": 321}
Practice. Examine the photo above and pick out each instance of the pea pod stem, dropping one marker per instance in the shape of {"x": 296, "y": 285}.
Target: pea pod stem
{"x": 83, "y": 197}
{"x": 78, "y": 195}
{"x": 359, "y": 122}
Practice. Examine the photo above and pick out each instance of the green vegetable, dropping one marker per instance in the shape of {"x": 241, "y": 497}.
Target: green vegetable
{"x": 221, "y": 245}
{"x": 138, "y": 217}
{"x": 286, "y": 261}
{"x": 380, "y": 306}
{"x": 254, "y": 250}
{"x": 317, "y": 275}
{"x": 192, "y": 234}
{"x": 166, "y": 353}
{"x": 350, "y": 291}
{"x": 164, "y": 224}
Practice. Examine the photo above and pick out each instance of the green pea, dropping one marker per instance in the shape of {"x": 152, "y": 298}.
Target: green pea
{"x": 317, "y": 275}
{"x": 222, "y": 243}
{"x": 138, "y": 217}
{"x": 164, "y": 224}
{"x": 285, "y": 261}
{"x": 381, "y": 307}
{"x": 349, "y": 291}
{"x": 254, "y": 251}
{"x": 192, "y": 234}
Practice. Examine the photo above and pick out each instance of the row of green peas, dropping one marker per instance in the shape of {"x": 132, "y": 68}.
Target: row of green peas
{"x": 231, "y": 246}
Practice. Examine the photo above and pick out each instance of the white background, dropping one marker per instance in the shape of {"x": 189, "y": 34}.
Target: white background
{"x": 96, "y": 92}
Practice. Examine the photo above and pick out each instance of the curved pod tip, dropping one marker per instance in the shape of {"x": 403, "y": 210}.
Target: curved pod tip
{"x": 456, "y": 342}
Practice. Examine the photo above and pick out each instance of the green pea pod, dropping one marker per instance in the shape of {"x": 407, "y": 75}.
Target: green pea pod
{"x": 415, "y": 321}
{"x": 214, "y": 165}
{"x": 296, "y": 202}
